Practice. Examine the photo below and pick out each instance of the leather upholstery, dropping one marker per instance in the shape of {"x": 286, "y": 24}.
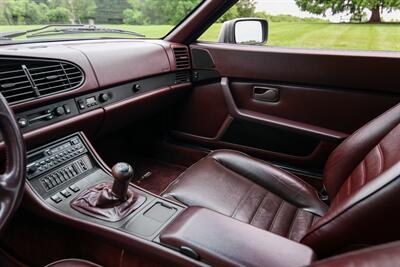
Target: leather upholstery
{"x": 100, "y": 202}
{"x": 217, "y": 240}
{"x": 72, "y": 263}
{"x": 387, "y": 255}
{"x": 251, "y": 191}
{"x": 350, "y": 153}
{"x": 361, "y": 178}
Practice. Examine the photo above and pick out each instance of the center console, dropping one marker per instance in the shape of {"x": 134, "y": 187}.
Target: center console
{"x": 69, "y": 180}
{"x": 68, "y": 170}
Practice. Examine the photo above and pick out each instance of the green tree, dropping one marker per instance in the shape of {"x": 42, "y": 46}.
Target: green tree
{"x": 354, "y": 7}
{"x": 158, "y": 11}
{"x": 58, "y": 15}
{"x": 132, "y": 16}
{"x": 232, "y": 13}
{"x": 246, "y": 8}
{"x": 25, "y": 11}
{"x": 80, "y": 10}
{"x": 242, "y": 9}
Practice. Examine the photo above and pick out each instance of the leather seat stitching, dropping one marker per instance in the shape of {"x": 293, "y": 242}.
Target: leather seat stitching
{"x": 314, "y": 220}
{"x": 349, "y": 186}
{"x": 275, "y": 216}
{"x": 255, "y": 215}
{"x": 381, "y": 159}
{"x": 180, "y": 176}
{"x": 364, "y": 173}
{"x": 289, "y": 235}
{"x": 244, "y": 197}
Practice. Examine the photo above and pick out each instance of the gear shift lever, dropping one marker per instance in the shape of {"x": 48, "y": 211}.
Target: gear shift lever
{"x": 123, "y": 174}
{"x": 110, "y": 202}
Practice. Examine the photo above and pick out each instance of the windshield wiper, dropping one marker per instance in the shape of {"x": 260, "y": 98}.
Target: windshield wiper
{"x": 10, "y": 35}
{"x": 66, "y": 29}
{"x": 82, "y": 29}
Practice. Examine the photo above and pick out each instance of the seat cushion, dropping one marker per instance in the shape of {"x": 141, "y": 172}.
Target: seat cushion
{"x": 251, "y": 191}
{"x": 72, "y": 263}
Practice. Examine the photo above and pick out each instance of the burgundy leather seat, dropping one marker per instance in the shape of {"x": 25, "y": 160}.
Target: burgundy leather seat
{"x": 387, "y": 255}
{"x": 360, "y": 177}
{"x": 72, "y": 263}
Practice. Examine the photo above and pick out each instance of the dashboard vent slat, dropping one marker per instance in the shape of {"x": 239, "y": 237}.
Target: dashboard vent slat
{"x": 182, "y": 58}
{"x": 22, "y": 80}
{"x": 182, "y": 77}
{"x": 14, "y": 83}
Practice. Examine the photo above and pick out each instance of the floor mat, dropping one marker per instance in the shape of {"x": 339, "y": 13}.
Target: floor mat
{"x": 159, "y": 174}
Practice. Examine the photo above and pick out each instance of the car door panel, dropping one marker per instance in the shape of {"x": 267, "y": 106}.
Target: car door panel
{"x": 321, "y": 100}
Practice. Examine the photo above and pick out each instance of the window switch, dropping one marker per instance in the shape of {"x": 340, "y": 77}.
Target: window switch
{"x": 56, "y": 198}
{"x": 81, "y": 104}
{"x": 74, "y": 188}
{"x": 67, "y": 109}
{"x": 65, "y": 193}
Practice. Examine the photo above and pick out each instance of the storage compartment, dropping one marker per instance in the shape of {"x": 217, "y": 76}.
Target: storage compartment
{"x": 148, "y": 223}
{"x": 270, "y": 138}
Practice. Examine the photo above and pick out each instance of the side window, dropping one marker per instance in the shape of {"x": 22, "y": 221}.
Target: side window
{"x": 331, "y": 24}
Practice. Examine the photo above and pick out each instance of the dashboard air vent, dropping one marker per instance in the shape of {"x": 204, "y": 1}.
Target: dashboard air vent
{"x": 14, "y": 83}
{"x": 182, "y": 58}
{"x": 182, "y": 77}
{"x": 22, "y": 80}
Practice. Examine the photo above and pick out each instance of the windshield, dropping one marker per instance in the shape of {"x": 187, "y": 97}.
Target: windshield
{"x": 52, "y": 19}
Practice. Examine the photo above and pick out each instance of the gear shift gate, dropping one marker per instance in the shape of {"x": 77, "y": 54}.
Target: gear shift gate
{"x": 101, "y": 203}
{"x": 110, "y": 202}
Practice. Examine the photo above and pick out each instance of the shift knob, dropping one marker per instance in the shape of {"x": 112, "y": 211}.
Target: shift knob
{"x": 123, "y": 174}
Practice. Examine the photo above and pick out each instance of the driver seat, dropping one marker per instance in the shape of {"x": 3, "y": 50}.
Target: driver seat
{"x": 72, "y": 263}
{"x": 360, "y": 178}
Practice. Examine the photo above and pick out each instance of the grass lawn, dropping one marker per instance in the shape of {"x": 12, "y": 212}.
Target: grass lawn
{"x": 299, "y": 35}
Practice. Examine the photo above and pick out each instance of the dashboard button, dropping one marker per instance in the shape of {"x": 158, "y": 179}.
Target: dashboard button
{"x": 104, "y": 97}
{"x": 56, "y": 198}
{"x": 81, "y": 104}
{"x": 74, "y": 188}
{"x": 59, "y": 111}
{"x": 65, "y": 193}
{"x": 136, "y": 88}
{"x": 22, "y": 122}
{"x": 32, "y": 169}
{"x": 67, "y": 109}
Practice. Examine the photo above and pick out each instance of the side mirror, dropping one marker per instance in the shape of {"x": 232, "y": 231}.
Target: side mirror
{"x": 244, "y": 31}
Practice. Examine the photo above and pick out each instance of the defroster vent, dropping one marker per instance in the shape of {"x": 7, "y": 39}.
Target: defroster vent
{"x": 22, "y": 80}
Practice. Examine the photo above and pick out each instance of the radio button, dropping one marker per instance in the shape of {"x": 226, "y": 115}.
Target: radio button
{"x": 74, "y": 188}
{"x": 48, "y": 183}
{"x": 52, "y": 181}
{"x": 56, "y": 198}
{"x": 32, "y": 169}
{"x": 65, "y": 193}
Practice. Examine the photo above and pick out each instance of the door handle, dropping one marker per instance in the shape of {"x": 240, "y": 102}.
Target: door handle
{"x": 266, "y": 94}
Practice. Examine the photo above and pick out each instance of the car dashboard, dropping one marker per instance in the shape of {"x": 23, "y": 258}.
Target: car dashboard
{"x": 57, "y": 86}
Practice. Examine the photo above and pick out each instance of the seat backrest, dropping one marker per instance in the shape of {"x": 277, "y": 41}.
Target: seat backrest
{"x": 361, "y": 179}
{"x": 387, "y": 255}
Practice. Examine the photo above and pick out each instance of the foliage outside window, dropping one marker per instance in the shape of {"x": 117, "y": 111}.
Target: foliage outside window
{"x": 327, "y": 24}
{"x": 153, "y": 18}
